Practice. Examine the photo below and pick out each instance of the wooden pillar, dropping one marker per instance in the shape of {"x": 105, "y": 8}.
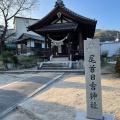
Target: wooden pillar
{"x": 50, "y": 46}
{"x": 21, "y": 48}
{"x": 16, "y": 49}
{"x": 45, "y": 43}
{"x": 69, "y": 49}
{"x": 81, "y": 44}
{"x": 48, "y": 49}
{"x": 30, "y": 45}
{"x": 56, "y": 50}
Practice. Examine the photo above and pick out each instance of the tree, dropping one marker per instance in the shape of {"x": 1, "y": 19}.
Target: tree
{"x": 106, "y": 35}
{"x": 10, "y": 8}
{"x": 105, "y": 53}
{"x": 117, "y": 52}
{"x": 117, "y": 66}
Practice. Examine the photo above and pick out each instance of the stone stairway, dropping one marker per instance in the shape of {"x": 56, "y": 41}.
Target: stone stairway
{"x": 56, "y": 63}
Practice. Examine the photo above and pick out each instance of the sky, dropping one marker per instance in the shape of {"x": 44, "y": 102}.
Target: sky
{"x": 106, "y": 12}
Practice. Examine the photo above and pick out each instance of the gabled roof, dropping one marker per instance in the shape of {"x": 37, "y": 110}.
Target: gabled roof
{"x": 86, "y": 24}
{"x": 58, "y": 27}
{"x": 26, "y": 36}
{"x": 64, "y": 11}
{"x": 36, "y": 37}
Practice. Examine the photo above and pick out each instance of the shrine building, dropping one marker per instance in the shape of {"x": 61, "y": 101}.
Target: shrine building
{"x": 64, "y": 32}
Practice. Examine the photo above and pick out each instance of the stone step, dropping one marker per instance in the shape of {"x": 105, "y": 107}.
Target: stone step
{"x": 57, "y": 68}
{"x": 60, "y": 59}
{"x": 55, "y": 65}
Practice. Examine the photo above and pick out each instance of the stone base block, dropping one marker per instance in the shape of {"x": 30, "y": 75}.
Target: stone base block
{"x": 82, "y": 116}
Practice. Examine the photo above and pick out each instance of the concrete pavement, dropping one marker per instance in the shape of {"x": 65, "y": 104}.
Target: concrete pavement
{"x": 19, "y": 91}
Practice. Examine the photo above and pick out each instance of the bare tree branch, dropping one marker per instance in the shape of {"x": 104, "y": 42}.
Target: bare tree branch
{"x": 10, "y": 8}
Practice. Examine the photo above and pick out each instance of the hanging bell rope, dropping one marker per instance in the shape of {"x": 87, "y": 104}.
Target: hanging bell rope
{"x": 56, "y": 42}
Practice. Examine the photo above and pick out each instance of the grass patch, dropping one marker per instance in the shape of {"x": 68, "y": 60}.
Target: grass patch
{"x": 1, "y": 63}
{"x": 108, "y": 67}
{"x": 28, "y": 60}
{"x": 24, "y": 60}
{"x": 104, "y": 64}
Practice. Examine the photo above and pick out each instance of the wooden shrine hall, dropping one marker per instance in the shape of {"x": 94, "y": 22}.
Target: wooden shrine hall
{"x": 64, "y": 32}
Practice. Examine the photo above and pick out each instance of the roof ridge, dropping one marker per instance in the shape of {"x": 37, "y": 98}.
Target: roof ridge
{"x": 59, "y": 3}
{"x": 68, "y": 10}
{"x": 65, "y": 9}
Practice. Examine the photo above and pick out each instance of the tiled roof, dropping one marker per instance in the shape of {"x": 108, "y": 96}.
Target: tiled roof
{"x": 77, "y": 15}
{"x": 34, "y": 36}
{"x": 59, "y": 3}
{"x": 58, "y": 27}
{"x": 41, "y": 19}
{"x": 28, "y": 36}
{"x": 18, "y": 40}
{"x": 66, "y": 10}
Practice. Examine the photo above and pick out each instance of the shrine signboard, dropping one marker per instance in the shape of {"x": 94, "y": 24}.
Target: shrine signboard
{"x": 93, "y": 79}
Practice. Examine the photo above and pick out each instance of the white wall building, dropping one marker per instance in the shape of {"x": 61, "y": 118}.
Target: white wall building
{"x": 28, "y": 43}
{"x": 21, "y": 24}
{"x": 112, "y": 47}
{"x": 20, "y": 29}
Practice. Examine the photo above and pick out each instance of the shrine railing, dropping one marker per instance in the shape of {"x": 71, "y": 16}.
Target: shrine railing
{"x": 44, "y": 54}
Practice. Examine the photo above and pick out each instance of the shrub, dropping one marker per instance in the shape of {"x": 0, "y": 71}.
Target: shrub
{"x": 117, "y": 53}
{"x": 28, "y": 59}
{"x": 117, "y": 67}
{"x": 1, "y": 63}
{"x": 15, "y": 60}
{"x": 7, "y": 54}
{"x": 105, "y": 53}
{"x": 9, "y": 57}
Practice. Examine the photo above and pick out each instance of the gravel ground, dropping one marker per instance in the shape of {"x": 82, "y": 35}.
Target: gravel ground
{"x": 63, "y": 99}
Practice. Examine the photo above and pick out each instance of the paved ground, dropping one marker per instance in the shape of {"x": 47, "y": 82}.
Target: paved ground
{"x": 6, "y": 79}
{"x": 62, "y": 100}
{"x": 18, "y": 91}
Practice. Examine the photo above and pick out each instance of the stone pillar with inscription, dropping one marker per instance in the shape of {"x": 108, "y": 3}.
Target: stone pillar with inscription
{"x": 93, "y": 79}
{"x": 93, "y": 83}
